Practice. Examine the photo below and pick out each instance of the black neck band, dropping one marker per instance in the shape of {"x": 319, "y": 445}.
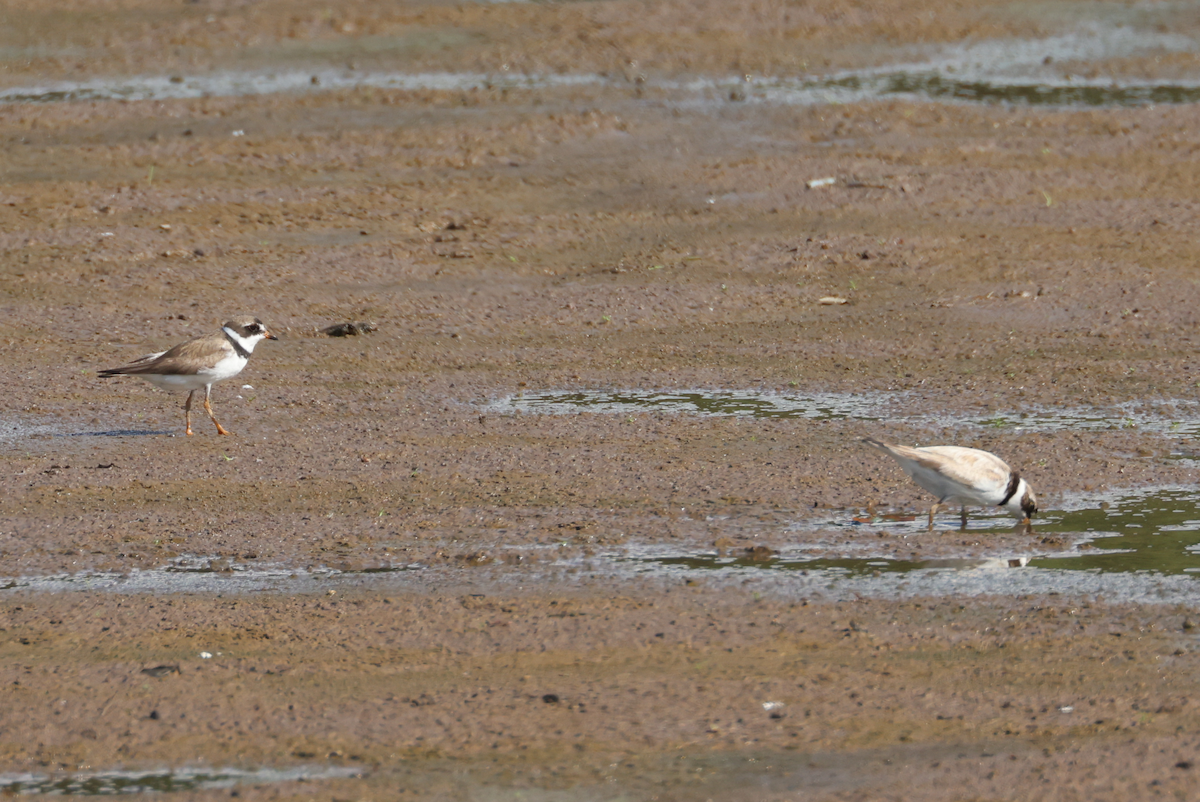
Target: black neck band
{"x": 244, "y": 354}
{"x": 1014, "y": 481}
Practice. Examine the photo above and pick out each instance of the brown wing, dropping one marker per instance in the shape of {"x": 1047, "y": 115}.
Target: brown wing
{"x": 185, "y": 359}
{"x": 968, "y": 466}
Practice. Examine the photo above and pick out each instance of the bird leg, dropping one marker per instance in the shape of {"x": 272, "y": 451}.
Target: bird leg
{"x": 187, "y": 413}
{"x": 937, "y": 505}
{"x": 1028, "y": 526}
{"x": 208, "y": 409}
{"x": 964, "y": 518}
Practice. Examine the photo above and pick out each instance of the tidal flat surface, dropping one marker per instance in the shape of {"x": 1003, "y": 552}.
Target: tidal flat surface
{"x": 718, "y": 244}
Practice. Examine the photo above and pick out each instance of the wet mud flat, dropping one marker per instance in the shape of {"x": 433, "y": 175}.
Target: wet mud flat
{"x": 608, "y": 691}
{"x": 555, "y": 527}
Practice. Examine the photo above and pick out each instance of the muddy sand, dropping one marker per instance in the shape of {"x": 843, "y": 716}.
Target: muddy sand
{"x": 393, "y": 581}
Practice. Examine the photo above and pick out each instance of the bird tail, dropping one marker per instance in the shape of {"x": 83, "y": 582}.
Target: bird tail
{"x": 871, "y": 441}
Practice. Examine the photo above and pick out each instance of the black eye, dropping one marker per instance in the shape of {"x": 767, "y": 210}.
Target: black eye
{"x": 254, "y": 327}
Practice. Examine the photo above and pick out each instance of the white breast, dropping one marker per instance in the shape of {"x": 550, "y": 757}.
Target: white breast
{"x": 227, "y": 368}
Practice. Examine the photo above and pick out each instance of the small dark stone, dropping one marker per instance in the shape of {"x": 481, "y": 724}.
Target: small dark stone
{"x": 1183, "y": 764}
{"x": 161, "y": 671}
{"x": 347, "y": 329}
{"x": 550, "y": 698}
{"x": 760, "y": 553}
{"x": 153, "y": 715}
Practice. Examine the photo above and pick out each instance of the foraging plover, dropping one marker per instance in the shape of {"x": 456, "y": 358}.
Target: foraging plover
{"x": 965, "y": 475}
{"x": 200, "y": 363}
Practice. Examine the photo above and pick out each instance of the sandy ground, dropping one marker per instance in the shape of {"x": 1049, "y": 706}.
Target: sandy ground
{"x": 515, "y": 240}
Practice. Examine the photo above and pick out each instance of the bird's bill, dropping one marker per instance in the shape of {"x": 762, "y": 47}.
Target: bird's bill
{"x": 269, "y": 336}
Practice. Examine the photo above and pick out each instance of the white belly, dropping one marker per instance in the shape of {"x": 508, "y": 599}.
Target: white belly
{"x": 950, "y": 490}
{"x": 227, "y": 368}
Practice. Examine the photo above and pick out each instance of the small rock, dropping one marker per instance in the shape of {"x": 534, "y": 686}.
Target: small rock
{"x": 161, "y": 671}
{"x": 347, "y": 329}
{"x": 760, "y": 553}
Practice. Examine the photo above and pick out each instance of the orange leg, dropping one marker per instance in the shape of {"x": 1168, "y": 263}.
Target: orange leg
{"x": 187, "y": 414}
{"x": 937, "y": 506}
{"x": 208, "y": 409}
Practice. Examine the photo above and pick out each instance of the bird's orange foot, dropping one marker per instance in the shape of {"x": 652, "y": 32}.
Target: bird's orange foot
{"x": 221, "y": 429}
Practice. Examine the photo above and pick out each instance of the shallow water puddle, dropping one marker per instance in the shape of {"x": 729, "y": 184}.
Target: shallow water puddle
{"x": 820, "y": 406}
{"x": 1133, "y": 546}
{"x": 1170, "y": 418}
{"x": 1015, "y": 71}
{"x": 265, "y": 82}
{"x": 108, "y": 783}
{"x": 1082, "y": 93}
{"x": 1152, "y": 533}
{"x": 205, "y": 575}
{"x": 698, "y": 774}
{"x": 13, "y": 428}
{"x": 915, "y": 82}
{"x": 1173, "y": 418}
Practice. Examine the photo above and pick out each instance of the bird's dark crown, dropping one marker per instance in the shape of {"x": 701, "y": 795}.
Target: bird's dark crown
{"x": 246, "y": 326}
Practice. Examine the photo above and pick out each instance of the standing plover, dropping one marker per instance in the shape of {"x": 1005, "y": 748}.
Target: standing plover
{"x": 965, "y": 475}
{"x": 200, "y": 363}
